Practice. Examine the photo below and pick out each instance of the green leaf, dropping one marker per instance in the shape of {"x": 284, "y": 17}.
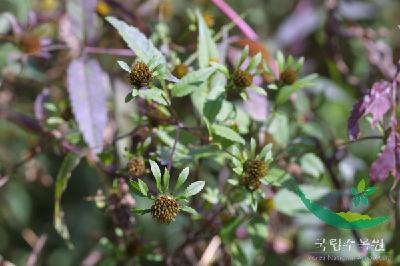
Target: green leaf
{"x": 312, "y": 165}
{"x": 356, "y": 200}
{"x": 254, "y": 62}
{"x": 212, "y": 108}
{"x": 69, "y": 163}
{"x": 191, "y": 81}
{"x": 166, "y": 180}
{"x": 141, "y": 211}
{"x": 227, "y": 133}
{"x": 139, "y": 44}
{"x": 258, "y": 90}
{"x": 361, "y": 186}
{"x": 285, "y": 92}
{"x": 364, "y": 199}
{"x": 131, "y": 95}
{"x": 155, "y": 170}
{"x": 181, "y": 178}
{"x": 154, "y": 94}
{"x": 124, "y": 66}
{"x": 279, "y": 129}
{"x": 188, "y": 209}
{"x": 143, "y": 188}
{"x": 253, "y": 146}
{"x": 206, "y": 48}
{"x": 266, "y": 153}
{"x": 193, "y": 189}
{"x": 354, "y": 191}
{"x": 135, "y": 186}
{"x": 370, "y": 191}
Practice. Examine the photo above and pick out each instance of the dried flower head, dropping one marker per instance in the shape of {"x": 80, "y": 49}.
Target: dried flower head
{"x": 136, "y": 166}
{"x": 30, "y": 44}
{"x": 140, "y": 74}
{"x": 253, "y": 171}
{"x": 120, "y": 204}
{"x": 180, "y": 71}
{"x": 164, "y": 209}
{"x": 242, "y": 79}
{"x": 288, "y": 76}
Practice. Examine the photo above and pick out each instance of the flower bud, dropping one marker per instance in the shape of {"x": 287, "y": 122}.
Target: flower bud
{"x": 242, "y": 79}
{"x": 140, "y": 74}
{"x": 136, "y": 166}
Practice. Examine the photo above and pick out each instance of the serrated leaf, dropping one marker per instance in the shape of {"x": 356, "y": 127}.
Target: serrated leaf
{"x": 206, "y": 49}
{"x": 124, "y": 66}
{"x": 143, "y": 188}
{"x": 87, "y": 89}
{"x": 188, "y": 210}
{"x": 69, "y": 163}
{"x": 361, "y": 186}
{"x": 181, "y": 178}
{"x": 139, "y": 44}
{"x": 166, "y": 177}
{"x": 155, "y": 170}
{"x": 212, "y": 108}
{"x": 154, "y": 94}
{"x": 227, "y": 133}
{"x": 191, "y": 81}
{"x": 193, "y": 189}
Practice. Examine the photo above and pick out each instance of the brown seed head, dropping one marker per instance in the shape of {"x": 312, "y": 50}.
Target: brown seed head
{"x": 180, "y": 71}
{"x": 30, "y": 44}
{"x": 136, "y": 166}
{"x": 164, "y": 209}
{"x": 254, "y": 170}
{"x": 140, "y": 74}
{"x": 242, "y": 79}
{"x": 288, "y": 76}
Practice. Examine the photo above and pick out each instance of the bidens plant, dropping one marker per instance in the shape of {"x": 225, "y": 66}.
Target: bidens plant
{"x": 167, "y": 203}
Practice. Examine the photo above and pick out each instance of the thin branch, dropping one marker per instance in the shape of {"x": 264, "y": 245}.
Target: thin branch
{"x": 171, "y": 156}
{"x": 240, "y": 23}
{"x": 37, "y": 249}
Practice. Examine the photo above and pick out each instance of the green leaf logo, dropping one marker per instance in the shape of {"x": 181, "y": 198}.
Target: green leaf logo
{"x": 362, "y": 193}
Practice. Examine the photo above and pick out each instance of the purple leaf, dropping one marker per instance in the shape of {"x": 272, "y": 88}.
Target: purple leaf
{"x": 388, "y": 161}
{"x": 375, "y": 102}
{"x": 356, "y": 113}
{"x": 87, "y": 86}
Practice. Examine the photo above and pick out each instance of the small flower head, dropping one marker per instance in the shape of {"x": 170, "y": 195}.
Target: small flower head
{"x": 30, "y": 44}
{"x": 140, "y": 74}
{"x": 253, "y": 171}
{"x": 242, "y": 79}
{"x": 136, "y": 166}
{"x": 164, "y": 209}
{"x": 288, "y": 76}
{"x": 180, "y": 71}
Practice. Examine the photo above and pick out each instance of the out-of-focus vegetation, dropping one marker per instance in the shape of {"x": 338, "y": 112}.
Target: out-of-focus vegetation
{"x": 171, "y": 132}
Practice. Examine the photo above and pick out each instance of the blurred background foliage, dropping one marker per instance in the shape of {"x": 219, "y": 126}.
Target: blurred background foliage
{"x": 309, "y": 28}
